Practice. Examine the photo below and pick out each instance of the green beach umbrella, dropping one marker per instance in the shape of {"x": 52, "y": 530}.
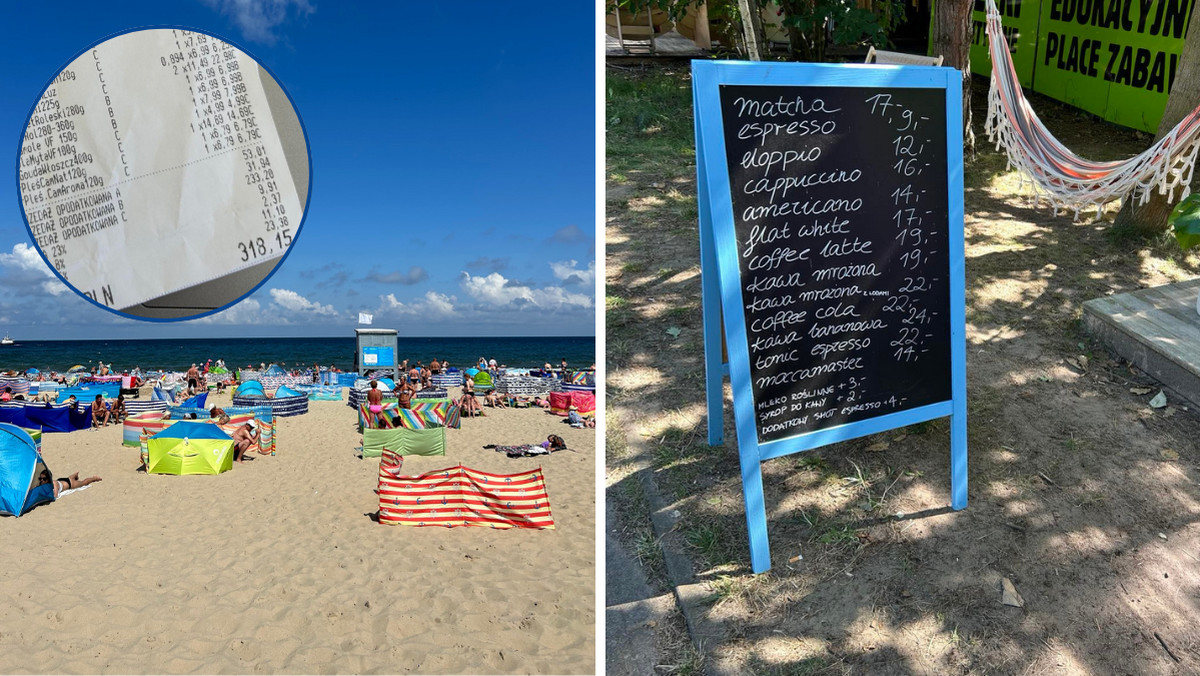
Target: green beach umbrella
{"x": 190, "y": 447}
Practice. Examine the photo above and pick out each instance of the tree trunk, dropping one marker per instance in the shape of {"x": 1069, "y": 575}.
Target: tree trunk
{"x": 752, "y": 29}
{"x": 952, "y": 39}
{"x": 1151, "y": 218}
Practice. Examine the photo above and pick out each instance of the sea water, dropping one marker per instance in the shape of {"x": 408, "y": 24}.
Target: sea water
{"x": 178, "y": 354}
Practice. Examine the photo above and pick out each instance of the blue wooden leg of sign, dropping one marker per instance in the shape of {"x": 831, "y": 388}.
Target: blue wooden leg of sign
{"x": 710, "y": 302}
{"x": 756, "y": 513}
{"x": 958, "y": 455}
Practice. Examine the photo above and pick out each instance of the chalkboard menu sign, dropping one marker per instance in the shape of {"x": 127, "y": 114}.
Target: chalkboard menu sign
{"x": 831, "y": 255}
{"x": 840, "y": 215}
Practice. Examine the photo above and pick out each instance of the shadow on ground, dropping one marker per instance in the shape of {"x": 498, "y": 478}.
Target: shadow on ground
{"x": 1082, "y": 496}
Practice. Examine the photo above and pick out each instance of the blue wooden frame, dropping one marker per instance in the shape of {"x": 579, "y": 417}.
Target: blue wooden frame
{"x": 721, "y": 278}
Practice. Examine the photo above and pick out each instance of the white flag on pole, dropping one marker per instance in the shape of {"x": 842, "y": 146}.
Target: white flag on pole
{"x": 364, "y": 318}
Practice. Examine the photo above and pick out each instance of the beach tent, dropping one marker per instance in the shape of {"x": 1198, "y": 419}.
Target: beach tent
{"x": 483, "y": 381}
{"x": 190, "y": 447}
{"x": 404, "y": 441}
{"x": 33, "y": 371}
{"x": 20, "y": 465}
{"x": 285, "y": 391}
{"x": 250, "y": 388}
{"x": 274, "y": 370}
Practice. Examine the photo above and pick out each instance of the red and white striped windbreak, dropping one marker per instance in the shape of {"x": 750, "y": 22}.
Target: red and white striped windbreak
{"x": 461, "y": 496}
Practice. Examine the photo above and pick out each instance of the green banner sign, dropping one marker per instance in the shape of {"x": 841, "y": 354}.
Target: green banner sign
{"x": 1020, "y": 21}
{"x": 1114, "y": 58}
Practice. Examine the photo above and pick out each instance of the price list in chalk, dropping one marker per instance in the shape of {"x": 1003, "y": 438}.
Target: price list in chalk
{"x": 840, "y": 213}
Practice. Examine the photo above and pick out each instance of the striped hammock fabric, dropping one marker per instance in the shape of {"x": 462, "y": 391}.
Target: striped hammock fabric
{"x": 1064, "y": 179}
{"x": 460, "y": 496}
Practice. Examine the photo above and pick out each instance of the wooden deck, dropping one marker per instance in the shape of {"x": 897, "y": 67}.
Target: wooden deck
{"x": 1156, "y": 329}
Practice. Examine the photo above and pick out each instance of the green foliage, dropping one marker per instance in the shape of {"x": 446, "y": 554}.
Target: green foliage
{"x": 1185, "y": 220}
{"x": 814, "y": 24}
{"x": 675, "y": 9}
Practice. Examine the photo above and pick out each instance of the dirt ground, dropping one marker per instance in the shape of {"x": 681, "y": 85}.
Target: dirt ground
{"x": 1081, "y": 495}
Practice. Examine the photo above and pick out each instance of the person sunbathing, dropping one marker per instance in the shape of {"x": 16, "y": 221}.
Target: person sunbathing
{"x": 52, "y": 488}
{"x": 71, "y": 482}
{"x": 541, "y": 403}
{"x": 100, "y": 413}
{"x": 244, "y": 437}
{"x": 492, "y": 399}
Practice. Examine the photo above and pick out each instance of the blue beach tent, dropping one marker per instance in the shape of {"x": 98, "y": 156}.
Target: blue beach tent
{"x": 285, "y": 391}
{"x": 20, "y": 465}
{"x": 250, "y": 388}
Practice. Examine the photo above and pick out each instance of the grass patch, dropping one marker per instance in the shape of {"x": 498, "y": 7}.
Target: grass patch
{"x": 809, "y": 666}
{"x": 708, "y": 539}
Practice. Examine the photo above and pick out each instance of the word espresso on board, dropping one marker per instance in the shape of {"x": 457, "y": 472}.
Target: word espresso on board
{"x": 831, "y": 257}
{"x": 843, "y": 249}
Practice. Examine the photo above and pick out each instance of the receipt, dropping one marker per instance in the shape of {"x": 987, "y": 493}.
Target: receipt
{"x": 152, "y": 164}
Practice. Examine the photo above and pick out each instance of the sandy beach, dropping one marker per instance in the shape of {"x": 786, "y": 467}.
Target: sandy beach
{"x": 277, "y": 566}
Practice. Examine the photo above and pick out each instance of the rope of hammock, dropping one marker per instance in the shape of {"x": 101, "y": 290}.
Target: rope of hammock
{"x": 1066, "y": 180}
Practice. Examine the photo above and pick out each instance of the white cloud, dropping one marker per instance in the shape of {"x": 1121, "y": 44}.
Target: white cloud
{"x": 248, "y": 311}
{"x": 258, "y": 19}
{"x": 290, "y": 300}
{"x": 496, "y": 291}
{"x": 432, "y": 304}
{"x": 566, "y": 272}
{"x": 26, "y": 268}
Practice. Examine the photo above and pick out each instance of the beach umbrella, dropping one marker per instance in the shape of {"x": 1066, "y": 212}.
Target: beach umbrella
{"x": 471, "y": 372}
{"x": 77, "y": 368}
{"x": 386, "y": 384}
{"x": 190, "y": 447}
{"x": 33, "y": 371}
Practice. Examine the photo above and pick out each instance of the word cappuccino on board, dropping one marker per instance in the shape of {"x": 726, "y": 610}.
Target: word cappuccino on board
{"x": 832, "y": 219}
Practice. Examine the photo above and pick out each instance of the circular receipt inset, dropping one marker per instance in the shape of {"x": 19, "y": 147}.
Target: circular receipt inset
{"x": 153, "y": 173}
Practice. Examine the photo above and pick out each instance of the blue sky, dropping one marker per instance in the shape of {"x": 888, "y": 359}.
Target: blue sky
{"x": 453, "y": 156}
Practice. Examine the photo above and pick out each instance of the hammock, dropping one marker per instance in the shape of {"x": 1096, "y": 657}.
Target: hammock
{"x": 1066, "y": 180}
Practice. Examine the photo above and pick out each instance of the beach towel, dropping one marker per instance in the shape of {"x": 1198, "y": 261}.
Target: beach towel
{"x": 461, "y": 496}
{"x": 523, "y": 450}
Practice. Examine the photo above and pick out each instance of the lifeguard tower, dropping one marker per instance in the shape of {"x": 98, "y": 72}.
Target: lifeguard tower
{"x": 375, "y": 351}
